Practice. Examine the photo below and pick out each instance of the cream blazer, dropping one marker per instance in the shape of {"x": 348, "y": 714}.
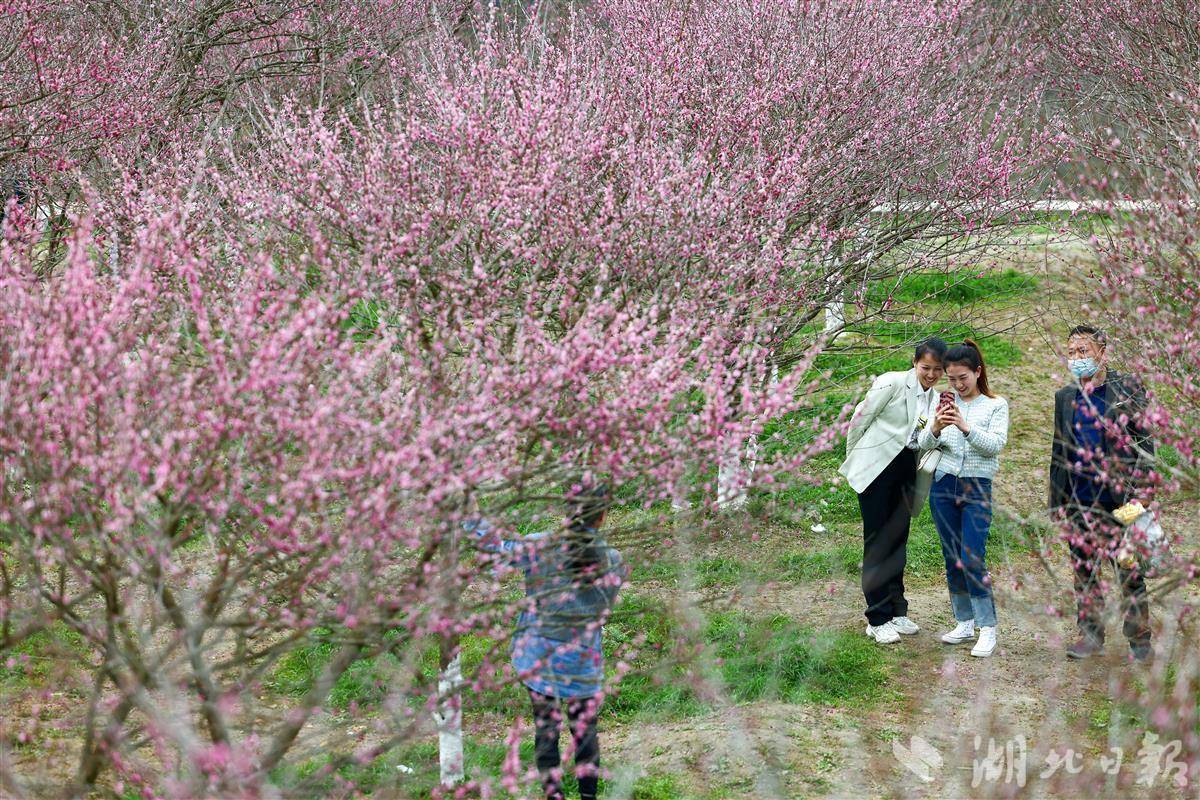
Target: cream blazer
{"x": 879, "y": 430}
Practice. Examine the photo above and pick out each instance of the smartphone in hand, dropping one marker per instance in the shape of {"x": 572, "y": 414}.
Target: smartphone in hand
{"x": 945, "y": 400}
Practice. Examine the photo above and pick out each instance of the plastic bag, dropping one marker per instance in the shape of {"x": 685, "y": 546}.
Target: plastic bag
{"x": 1145, "y": 543}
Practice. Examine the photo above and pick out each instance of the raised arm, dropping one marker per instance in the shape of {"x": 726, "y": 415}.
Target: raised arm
{"x": 927, "y": 439}
{"x": 517, "y": 552}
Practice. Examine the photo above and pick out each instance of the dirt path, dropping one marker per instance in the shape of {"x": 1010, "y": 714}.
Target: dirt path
{"x": 944, "y": 696}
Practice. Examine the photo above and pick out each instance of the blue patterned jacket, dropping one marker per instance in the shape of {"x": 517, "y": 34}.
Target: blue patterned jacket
{"x": 557, "y": 645}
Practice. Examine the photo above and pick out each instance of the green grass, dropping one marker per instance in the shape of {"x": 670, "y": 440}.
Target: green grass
{"x": 789, "y": 433}
{"x": 838, "y": 553}
{"x": 1083, "y": 223}
{"x": 661, "y": 693}
{"x": 721, "y": 571}
{"x": 840, "y": 560}
{"x": 364, "y": 319}
{"x": 823, "y": 561}
{"x": 925, "y": 562}
{"x": 707, "y": 573}
{"x": 1168, "y": 456}
{"x": 756, "y": 658}
{"x": 1105, "y": 712}
{"x": 842, "y": 364}
{"x": 31, "y": 662}
{"x": 658, "y": 687}
{"x": 1107, "y": 716}
{"x": 657, "y": 787}
{"x": 816, "y": 486}
{"x": 899, "y": 337}
{"x": 390, "y": 775}
{"x": 833, "y": 501}
{"x": 482, "y": 760}
{"x": 365, "y": 681}
{"x": 298, "y": 670}
{"x": 887, "y": 346}
{"x": 775, "y": 658}
{"x": 829, "y": 556}
{"x": 661, "y": 570}
{"x": 960, "y": 286}
{"x": 1009, "y": 537}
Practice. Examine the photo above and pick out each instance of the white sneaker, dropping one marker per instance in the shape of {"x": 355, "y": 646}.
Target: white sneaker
{"x": 986, "y": 644}
{"x": 883, "y": 634}
{"x": 963, "y": 632}
{"x": 904, "y": 625}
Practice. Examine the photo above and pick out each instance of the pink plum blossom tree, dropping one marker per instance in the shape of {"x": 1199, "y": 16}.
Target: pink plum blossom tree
{"x": 336, "y": 331}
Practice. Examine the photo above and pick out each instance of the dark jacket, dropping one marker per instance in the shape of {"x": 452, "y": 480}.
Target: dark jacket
{"x": 1128, "y": 465}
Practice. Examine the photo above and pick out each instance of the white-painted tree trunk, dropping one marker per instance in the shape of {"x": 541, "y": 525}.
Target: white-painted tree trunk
{"x": 679, "y": 501}
{"x": 735, "y": 475}
{"x": 113, "y": 251}
{"x": 835, "y": 311}
{"x": 731, "y": 492}
{"x": 449, "y": 722}
{"x": 835, "y": 317}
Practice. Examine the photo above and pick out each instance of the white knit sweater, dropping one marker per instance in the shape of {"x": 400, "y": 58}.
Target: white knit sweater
{"x": 978, "y": 454}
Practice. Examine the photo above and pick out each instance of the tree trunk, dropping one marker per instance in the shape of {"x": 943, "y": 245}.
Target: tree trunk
{"x": 728, "y": 468}
{"x": 835, "y": 317}
{"x": 734, "y": 475}
{"x": 113, "y": 250}
{"x": 449, "y": 715}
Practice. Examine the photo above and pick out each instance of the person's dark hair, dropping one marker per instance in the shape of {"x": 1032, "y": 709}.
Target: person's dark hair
{"x": 1089, "y": 330}
{"x": 586, "y": 505}
{"x": 970, "y": 356}
{"x": 932, "y": 346}
{"x": 585, "y": 510}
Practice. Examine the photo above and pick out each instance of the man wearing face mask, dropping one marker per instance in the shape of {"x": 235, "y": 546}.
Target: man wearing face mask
{"x": 1099, "y": 460}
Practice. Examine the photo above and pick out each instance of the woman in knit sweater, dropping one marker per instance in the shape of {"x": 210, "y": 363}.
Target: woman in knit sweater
{"x": 971, "y": 431}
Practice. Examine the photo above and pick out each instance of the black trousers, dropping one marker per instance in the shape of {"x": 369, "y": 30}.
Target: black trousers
{"x": 887, "y": 511}
{"x": 547, "y": 718}
{"x": 1094, "y": 532}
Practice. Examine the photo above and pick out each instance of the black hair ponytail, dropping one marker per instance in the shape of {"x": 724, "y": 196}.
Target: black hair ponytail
{"x": 970, "y": 356}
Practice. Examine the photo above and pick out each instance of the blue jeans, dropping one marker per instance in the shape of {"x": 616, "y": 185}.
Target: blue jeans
{"x": 962, "y": 513}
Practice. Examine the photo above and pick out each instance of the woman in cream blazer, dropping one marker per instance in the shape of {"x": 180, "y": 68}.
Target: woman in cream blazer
{"x": 881, "y": 466}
